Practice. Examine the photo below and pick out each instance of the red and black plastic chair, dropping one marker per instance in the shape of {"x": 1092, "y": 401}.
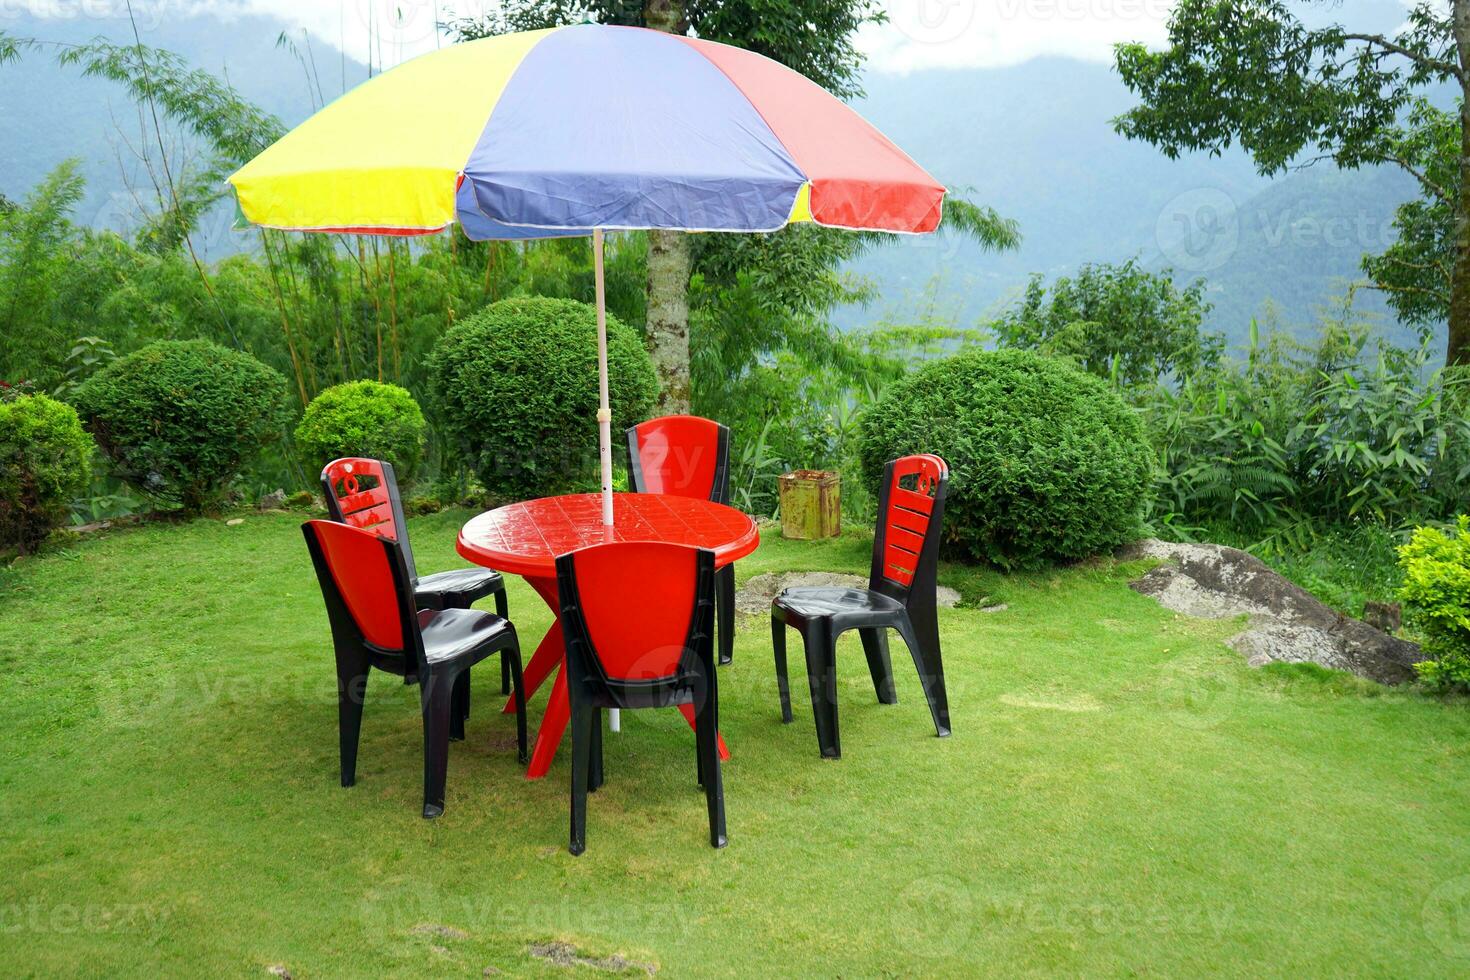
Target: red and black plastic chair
{"x": 363, "y": 493}
{"x": 370, "y": 605}
{"x": 638, "y": 622}
{"x": 900, "y": 595}
{"x": 688, "y": 456}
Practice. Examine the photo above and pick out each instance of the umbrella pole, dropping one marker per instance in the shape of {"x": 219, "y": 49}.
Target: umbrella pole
{"x": 604, "y": 412}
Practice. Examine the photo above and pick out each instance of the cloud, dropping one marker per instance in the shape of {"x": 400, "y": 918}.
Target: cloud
{"x": 995, "y": 33}
{"x": 919, "y": 34}
{"x": 388, "y": 31}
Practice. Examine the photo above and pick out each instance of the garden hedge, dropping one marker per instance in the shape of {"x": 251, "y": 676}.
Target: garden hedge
{"x": 514, "y": 390}
{"x": 1046, "y": 462}
{"x": 179, "y": 418}
{"x": 362, "y": 418}
{"x": 44, "y": 463}
{"x": 1436, "y": 568}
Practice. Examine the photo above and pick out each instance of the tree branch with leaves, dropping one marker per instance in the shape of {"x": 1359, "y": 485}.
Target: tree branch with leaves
{"x": 1251, "y": 73}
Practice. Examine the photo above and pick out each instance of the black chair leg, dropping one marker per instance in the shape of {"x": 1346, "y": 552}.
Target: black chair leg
{"x": 503, "y": 611}
{"x": 581, "y": 771}
{"x": 821, "y": 673}
{"x": 921, "y": 633}
{"x": 706, "y": 740}
{"x": 352, "y": 675}
{"x": 594, "y": 768}
{"x": 725, "y": 611}
{"x": 875, "y": 646}
{"x": 783, "y": 686}
{"x": 436, "y": 698}
{"x": 512, "y": 656}
{"x": 459, "y": 707}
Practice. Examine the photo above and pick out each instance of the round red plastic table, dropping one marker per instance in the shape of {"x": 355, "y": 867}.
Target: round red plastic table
{"x": 525, "y": 538}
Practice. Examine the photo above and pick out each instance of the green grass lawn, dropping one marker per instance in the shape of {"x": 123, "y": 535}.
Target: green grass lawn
{"x": 1120, "y": 795}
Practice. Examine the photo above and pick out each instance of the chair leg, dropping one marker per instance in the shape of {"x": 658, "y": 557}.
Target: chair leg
{"x": 436, "y": 698}
{"x": 705, "y": 736}
{"x": 594, "y": 768}
{"x": 821, "y": 675}
{"x": 460, "y": 707}
{"x": 783, "y": 686}
{"x": 725, "y": 611}
{"x": 875, "y": 646}
{"x": 921, "y": 633}
{"x": 512, "y": 656}
{"x": 352, "y": 675}
{"x": 503, "y": 611}
{"x": 581, "y": 771}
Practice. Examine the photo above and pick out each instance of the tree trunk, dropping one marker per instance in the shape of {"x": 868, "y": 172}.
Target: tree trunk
{"x": 668, "y": 271}
{"x": 668, "y": 318}
{"x": 1458, "y": 349}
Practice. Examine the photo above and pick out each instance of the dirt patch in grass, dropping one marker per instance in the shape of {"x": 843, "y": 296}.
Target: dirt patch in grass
{"x": 565, "y": 954}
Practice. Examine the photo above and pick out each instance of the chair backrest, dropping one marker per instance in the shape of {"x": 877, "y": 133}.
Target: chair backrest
{"x": 365, "y": 586}
{"x": 639, "y": 616}
{"x": 680, "y": 454}
{"x": 363, "y": 493}
{"x": 906, "y": 542}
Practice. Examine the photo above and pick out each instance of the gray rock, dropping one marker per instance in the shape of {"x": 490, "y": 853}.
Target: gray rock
{"x": 1287, "y": 624}
{"x": 755, "y": 596}
{"x": 274, "y": 500}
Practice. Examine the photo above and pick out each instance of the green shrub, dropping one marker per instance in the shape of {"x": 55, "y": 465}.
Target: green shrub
{"x": 1436, "y": 589}
{"x": 45, "y": 459}
{"x": 1115, "y": 321}
{"x": 515, "y": 392}
{"x": 178, "y": 418}
{"x": 421, "y": 505}
{"x": 363, "y": 418}
{"x": 1296, "y": 435}
{"x": 1046, "y": 462}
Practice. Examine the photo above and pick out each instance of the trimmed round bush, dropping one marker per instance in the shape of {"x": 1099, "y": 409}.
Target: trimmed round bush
{"x": 1046, "y": 462}
{"x": 45, "y": 460}
{"x": 514, "y": 390}
{"x": 363, "y": 418}
{"x": 179, "y": 418}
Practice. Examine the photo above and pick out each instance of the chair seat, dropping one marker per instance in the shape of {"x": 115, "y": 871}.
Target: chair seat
{"x": 456, "y": 588}
{"x": 846, "y": 607}
{"x": 450, "y": 634}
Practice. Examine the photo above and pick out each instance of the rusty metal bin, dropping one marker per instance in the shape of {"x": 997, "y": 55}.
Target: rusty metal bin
{"x": 811, "y": 504}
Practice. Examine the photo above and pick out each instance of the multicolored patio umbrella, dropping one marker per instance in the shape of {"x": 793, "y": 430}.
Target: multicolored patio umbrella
{"x": 578, "y": 130}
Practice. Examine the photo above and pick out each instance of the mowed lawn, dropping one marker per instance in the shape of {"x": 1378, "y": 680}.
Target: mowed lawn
{"x": 1121, "y": 795}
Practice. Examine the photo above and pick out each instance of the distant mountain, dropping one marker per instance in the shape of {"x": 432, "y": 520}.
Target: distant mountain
{"x": 48, "y": 113}
{"x": 1034, "y": 141}
{"x": 1294, "y": 248}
